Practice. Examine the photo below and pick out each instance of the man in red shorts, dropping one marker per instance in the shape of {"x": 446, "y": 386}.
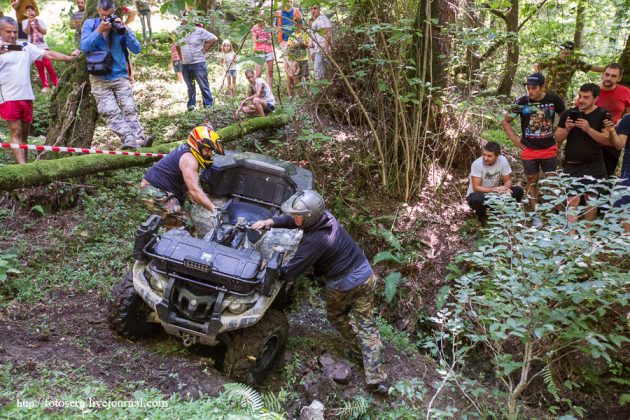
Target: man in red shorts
{"x": 16, "y": 92}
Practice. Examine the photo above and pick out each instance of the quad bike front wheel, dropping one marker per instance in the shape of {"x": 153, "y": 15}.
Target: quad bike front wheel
{"x": 252, "y": 352}
{"x": 128, "y": 314}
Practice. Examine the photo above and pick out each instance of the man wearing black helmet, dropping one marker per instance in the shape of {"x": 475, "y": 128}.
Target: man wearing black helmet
{"x": 165, "y": 185}
{"x": 350, "y": 281}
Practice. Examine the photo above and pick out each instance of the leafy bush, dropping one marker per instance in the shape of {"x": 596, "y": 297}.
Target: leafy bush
{"x": 533, "y": 297}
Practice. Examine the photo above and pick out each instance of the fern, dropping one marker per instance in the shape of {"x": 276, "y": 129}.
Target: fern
{"x": 392, "y": 281}
{"x": 549, "y": 381}
{"x": 356, "y": 408}
{"x": 387, "y": 256}
{"x": 244, "y": 395}
{"x": 390, "y": 238}
{"x": 272, "y": 402}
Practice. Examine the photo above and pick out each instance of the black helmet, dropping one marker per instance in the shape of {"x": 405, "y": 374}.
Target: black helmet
{"x": 307, "y": 203}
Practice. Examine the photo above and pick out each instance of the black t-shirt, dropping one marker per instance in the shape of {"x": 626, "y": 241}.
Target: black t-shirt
{"x": 537, "y": 119}
{"x": 581, "y": 147}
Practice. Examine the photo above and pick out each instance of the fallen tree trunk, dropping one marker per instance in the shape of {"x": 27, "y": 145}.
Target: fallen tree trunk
{"x": 45, "y": 171}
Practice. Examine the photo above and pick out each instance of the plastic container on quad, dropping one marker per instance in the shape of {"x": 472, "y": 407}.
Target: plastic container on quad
{"x": 221, "y": 287}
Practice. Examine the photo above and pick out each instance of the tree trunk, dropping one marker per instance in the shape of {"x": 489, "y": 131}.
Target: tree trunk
{"x": 624, "y": 60}
{"x": 45, "y": 171}
{"x": 580, "y": 20}
{"x": 443, "y": 13}
{"x": 513, "y": 51}
{"x": 73, "y": 112}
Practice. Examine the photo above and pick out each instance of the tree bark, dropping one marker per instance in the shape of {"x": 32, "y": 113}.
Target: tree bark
{"x": 45, "y": 171}
{"x": 73, "y": 112}
{"x": 580, "y": 20}
{"x": 513, "y": 51}
{"x": 624, "y": 60}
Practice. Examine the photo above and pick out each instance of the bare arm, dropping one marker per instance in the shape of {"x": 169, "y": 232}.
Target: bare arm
{"x": 189, "y": 167}
{"x": 507, "y": 127}
{"x": 207, "y": 45}
{"x": 130, "y": 17}
{"x": 618, "y": 140}
{"x": 537, "y": 68}
{"x": 15, "y": 4}
{"x": 601, "y": 137}
{"x": 477, "y": 187}
{"x": 57, "y": 56}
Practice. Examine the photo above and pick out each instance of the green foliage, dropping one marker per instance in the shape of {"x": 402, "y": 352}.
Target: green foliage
{"x": 391, "y": 285}
{"x": 8, "y": 264}
{"x": 545, "y": 291}
{"x": 399, "y": 339}
{"x": 355, "y": 408}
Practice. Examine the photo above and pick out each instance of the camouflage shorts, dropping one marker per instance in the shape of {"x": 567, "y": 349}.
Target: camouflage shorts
{"x": 164, "y": 204}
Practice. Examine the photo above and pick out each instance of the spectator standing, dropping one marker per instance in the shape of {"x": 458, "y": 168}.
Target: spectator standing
{"x": 297, "y": 53}
{"x": 619, "y": 138}
{"x": 285, "y": 21}
{"x": 144, "y": 9}
{"x": 35, "y": 29}
{"x": 193, "y": 53}
{"x": 176, "y": 59}
{"x": 584, "y": 130}
{"x": 262, "y": 100}
{"x": 20, "y": 14}
{"x": 322, "y": 37}
{"x": 16, "y": 92}
{"x": 113, "y": 93}
{"x": 263, "y": 48}
{"x": 77, "y": 22}
{"x": 539, "y": 152}
{"x": 490, "y": 174}
{"x": 228, "y": 59}
{"x": 614, "y": 98}
{"x": 560, "y": 69}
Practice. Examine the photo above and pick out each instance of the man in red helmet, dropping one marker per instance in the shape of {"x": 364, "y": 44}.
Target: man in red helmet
{"x": 165, "y": 185}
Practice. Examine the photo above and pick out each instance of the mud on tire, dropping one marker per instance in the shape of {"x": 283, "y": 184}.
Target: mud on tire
{"x": 128, "y": 313}
{"x": 252, "y": 352}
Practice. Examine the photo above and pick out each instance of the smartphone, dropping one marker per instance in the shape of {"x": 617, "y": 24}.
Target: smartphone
{"x": 607, "y": 116}
{"x": 13, "y": 47}
{"x": 574, "y": 114}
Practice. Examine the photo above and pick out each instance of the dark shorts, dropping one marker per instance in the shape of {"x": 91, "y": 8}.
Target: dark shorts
{"x": 581, "y": 184}
{"x": 534, "y": 166}
{"x": 269, "y": 108}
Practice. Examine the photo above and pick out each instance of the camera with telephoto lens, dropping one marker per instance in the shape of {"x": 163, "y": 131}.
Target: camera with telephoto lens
{"x": 118, "y": 27}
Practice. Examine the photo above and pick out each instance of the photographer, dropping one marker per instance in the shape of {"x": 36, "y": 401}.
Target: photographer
{"x": 110, "y": 84}
{"x": 16, "y": 92}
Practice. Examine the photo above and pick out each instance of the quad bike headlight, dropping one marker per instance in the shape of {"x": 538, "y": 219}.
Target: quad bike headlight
{"x": 239, "y": 307}
{"x": 158, "y": 281}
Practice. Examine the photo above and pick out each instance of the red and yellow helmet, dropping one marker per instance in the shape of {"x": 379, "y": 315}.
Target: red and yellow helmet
{"x": 204, "y": 136}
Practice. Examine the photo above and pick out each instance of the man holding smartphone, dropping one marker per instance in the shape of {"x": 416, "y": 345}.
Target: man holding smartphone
{"x": 584, "y": 130}
{"x": 16, "y": 92}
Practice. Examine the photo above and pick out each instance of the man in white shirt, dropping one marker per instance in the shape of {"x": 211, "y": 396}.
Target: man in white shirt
{"x": 322, "y": 36}
{"x": 490, "y": 174}
{"x": 16, "y": 92}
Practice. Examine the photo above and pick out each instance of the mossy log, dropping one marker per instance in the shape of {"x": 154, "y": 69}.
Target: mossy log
{"x": 45, "y": 171}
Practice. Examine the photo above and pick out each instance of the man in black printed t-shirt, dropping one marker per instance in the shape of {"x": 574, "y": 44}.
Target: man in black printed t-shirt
{"x": 583, "y": 129}
{"x": 537, "y": 111}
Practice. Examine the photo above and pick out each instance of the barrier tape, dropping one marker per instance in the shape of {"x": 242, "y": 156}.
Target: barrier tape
{"x": 59, "y": 149}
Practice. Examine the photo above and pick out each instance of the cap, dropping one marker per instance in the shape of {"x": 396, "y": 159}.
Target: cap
{"x": 535, "y": 79}
{"x": 569, "y": 45}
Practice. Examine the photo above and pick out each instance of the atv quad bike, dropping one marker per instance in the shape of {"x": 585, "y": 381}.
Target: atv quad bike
{"x": 221, "y": 287}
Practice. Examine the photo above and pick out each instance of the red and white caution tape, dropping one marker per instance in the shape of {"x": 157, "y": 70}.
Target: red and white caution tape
{"x": 58, "y": 149}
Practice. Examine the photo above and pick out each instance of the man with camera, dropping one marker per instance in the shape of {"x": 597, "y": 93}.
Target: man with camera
{"x": 584, "y": 129}
{"x": 537, "y": 111}
{"x": 16, "y": 92}
{"x": 105, "y": 41}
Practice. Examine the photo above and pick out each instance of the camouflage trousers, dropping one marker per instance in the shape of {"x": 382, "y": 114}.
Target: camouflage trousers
{"x": 367, "y": 340}
{"x": 164, "y": 204}
{"x": 115, "y": 103}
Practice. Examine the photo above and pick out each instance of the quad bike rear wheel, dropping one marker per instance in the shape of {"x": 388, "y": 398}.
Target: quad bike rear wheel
{"x": 252, "y": 352}
{"x": 128, "y": 314}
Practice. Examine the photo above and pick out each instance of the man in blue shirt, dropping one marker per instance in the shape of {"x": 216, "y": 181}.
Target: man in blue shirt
{"x": 114, "y": 88}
